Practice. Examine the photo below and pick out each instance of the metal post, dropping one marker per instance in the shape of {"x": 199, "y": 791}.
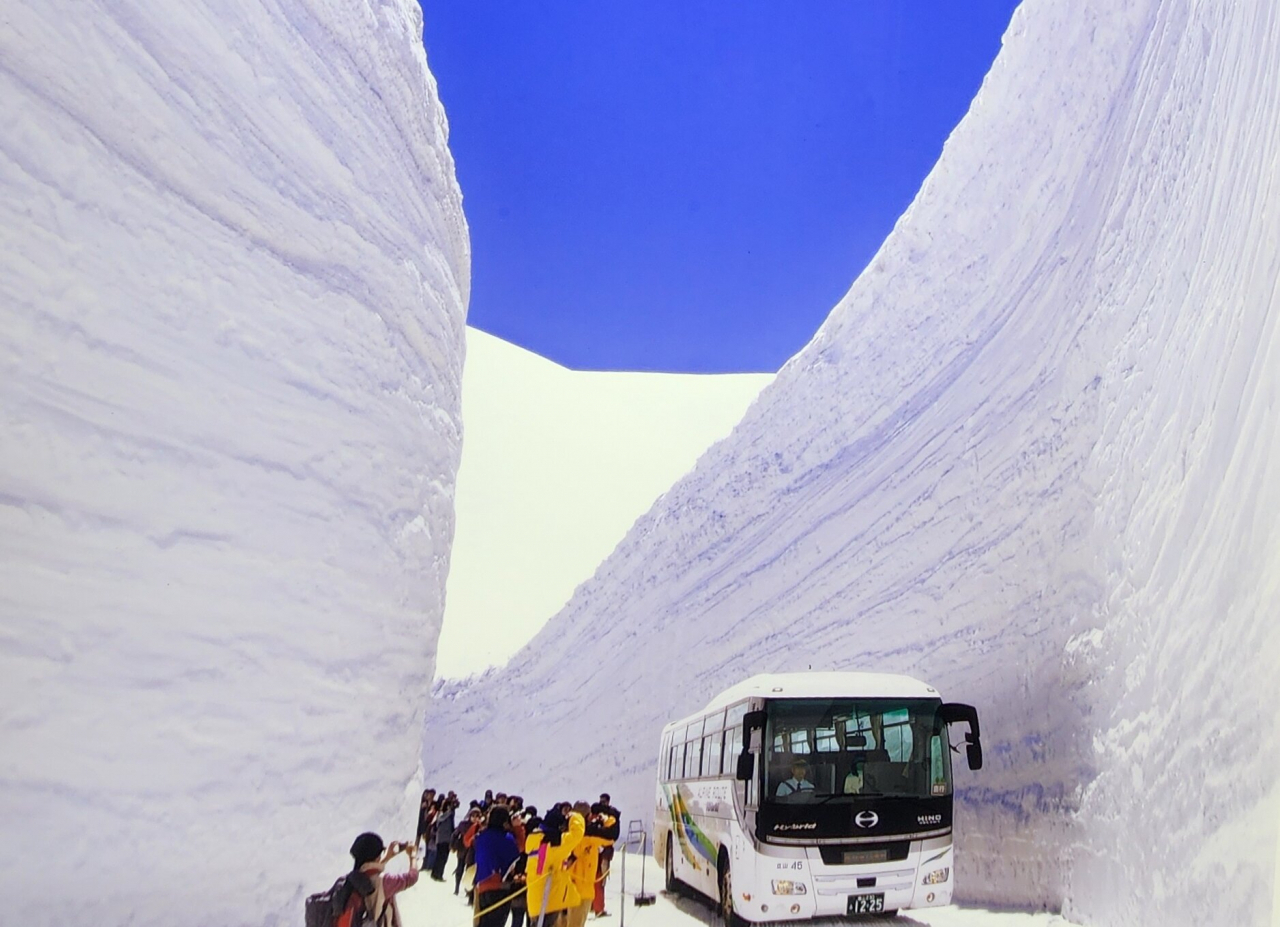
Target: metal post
{"x": 642, "y": 899}
{"x": 546, "y": 896}
{"x": 644, "y": 845}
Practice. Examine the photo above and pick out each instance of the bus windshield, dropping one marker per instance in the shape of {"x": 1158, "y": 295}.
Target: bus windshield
{"x": 843, "y": 748}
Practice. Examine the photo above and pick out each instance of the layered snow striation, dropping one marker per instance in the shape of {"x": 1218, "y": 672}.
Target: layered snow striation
{"x": 1033, "y": 458}
{"x": 233, "y": 279}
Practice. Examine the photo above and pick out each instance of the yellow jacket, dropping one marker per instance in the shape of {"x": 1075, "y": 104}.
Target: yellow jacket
{"x": 587, "y": 863}
{"x": 547, "y": 862}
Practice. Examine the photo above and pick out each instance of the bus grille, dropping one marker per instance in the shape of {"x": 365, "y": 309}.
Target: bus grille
{"x": 863, "y": 854}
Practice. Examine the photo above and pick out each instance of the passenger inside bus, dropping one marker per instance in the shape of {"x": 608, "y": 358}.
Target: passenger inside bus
{"x": 853, "y": 782}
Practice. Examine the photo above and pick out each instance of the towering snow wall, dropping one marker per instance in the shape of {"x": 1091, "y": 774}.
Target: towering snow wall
{"x": 233, "y": 279}
{"x": 1032, "y": 457}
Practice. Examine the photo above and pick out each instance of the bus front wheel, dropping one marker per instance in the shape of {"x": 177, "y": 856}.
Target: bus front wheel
{"x": 728, "y": 916}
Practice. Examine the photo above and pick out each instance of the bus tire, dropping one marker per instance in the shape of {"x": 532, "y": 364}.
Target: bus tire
{"x": 728, "y": 916}
{"x": 669, "y": 867}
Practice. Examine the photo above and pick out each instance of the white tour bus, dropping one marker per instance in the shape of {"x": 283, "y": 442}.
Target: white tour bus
{"x": 805, "y": 795}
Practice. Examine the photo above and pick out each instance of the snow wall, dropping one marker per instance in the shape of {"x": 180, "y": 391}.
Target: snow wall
{"x": 233, "y": 279}
{"x": 1031, "y": 457}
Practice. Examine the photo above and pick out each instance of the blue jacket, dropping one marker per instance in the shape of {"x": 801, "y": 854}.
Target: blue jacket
{"x": 495, "y": 852}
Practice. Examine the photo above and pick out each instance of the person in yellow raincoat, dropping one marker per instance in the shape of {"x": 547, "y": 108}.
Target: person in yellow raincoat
{"x": 585, "y": 863}
{"x": 548, "y": 880}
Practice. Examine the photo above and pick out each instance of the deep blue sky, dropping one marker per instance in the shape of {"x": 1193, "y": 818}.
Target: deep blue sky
{"x": 691, "y": 185}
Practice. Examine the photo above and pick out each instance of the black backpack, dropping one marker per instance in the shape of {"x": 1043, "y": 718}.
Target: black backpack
{"x": 334, "y": 908}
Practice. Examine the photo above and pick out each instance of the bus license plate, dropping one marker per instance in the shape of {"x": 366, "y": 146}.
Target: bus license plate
{"x": 866, "y": 904}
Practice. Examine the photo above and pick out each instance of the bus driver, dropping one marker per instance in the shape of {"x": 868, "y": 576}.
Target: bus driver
{"x": 798, "y": 781}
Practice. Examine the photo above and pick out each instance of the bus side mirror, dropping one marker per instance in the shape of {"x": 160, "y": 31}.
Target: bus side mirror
{"x": 746, "y": 767}
{"x": 953, "y": 713}
{"x": 974, "y": 753}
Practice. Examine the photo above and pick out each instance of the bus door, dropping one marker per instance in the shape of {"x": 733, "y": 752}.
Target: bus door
{"x": 750, "y": 763}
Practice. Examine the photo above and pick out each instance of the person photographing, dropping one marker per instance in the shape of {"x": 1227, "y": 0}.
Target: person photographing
{"x": 373, "y": 890}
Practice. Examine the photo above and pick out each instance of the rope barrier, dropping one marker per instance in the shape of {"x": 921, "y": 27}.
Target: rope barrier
{"x": 516, "y": 894}
{"x": 510, "y": 898}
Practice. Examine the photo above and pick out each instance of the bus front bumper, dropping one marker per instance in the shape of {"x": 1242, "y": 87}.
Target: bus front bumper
{"x": 926, "y": 879}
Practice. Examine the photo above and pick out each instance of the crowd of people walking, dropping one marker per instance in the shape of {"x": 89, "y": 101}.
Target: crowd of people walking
{"x": 510, "y": 863}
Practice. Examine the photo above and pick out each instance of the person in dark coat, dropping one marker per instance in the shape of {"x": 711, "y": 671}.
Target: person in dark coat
{"x": 444, "y": 834}
{"x": 426, "y": 817}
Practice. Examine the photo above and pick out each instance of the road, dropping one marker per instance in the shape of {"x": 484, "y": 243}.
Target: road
{"x": 433, "y": 904}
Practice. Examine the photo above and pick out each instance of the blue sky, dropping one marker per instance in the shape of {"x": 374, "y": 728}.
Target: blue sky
{"x": 691, "y": 186}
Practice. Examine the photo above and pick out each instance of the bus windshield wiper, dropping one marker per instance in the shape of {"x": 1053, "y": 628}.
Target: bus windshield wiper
{"x": 826, "y": 798}
{"x": 865, "y": 795}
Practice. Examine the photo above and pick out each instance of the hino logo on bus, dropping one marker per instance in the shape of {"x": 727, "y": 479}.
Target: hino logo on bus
{"x": 808, "y": 825}
{"x": 930, "y": 819}
{"x": 867, "y": 819}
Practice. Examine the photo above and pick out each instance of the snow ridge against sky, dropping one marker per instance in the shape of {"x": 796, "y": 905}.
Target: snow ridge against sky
{"x": 233, "y": 280}
{"x": 1031, "y": 457}
{"x": 556, "y": 466}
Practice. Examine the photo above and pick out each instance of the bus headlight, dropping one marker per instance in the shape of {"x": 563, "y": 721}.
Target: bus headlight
{"x": 787, "y": 887}
{"x": 937, "y": 877}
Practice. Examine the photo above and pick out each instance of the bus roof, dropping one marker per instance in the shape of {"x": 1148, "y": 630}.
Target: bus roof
{"x": 819, "y": 685}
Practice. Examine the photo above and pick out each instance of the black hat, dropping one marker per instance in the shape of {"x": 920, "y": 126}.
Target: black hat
{"x": 367, "y": 847}
{"x": 553, "y": 825}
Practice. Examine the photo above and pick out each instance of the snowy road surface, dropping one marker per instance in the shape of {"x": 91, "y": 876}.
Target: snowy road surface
{"x": 433, "y": 904}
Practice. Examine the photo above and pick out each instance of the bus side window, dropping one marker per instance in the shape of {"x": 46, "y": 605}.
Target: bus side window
{"x": 711, "y": 754}
{"x": 693, "y": 757}
{"x": 732, "y": 749}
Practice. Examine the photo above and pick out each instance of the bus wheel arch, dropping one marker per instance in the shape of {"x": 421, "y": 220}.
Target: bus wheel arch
{"x": 724, "y": 881}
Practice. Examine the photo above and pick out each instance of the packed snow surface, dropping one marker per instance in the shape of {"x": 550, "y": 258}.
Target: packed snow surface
{"x": 433, "y": 904}
{"x": 1033, "y": 457}
{"x": 233, "y": 280}
{"x": 557, "y": 465}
